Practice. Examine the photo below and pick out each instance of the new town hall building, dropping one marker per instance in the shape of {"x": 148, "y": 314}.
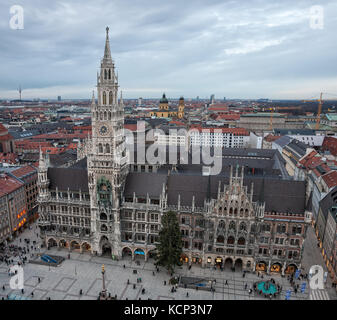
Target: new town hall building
{"x": 251, "y": 215}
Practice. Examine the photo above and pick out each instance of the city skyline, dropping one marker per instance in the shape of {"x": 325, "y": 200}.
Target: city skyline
{"x": 232, "y": 49}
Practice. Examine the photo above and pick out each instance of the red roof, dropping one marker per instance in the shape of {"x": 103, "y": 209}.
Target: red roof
{"x": 224, "y": 108}
{"x": 52, "y": 150}
{"x": 330, "y": 179}
{"x": 3, "y": 128}
{"x": 230, "y": 116}
{"x": 271, "y": 138}
{"x": 330, "y": 143}
{"x": 132, "y": 127}
{"x": 8, "y": 184}
{"x": 23, "y": 171}
{"x": 28, "y": 144}
{"x": 178, "y": 123}
{"x": 235, "y": 131}
{"x": 8, "y": 158}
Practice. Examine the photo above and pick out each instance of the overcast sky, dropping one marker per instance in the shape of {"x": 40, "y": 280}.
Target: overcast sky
{"x": 233, "y": 49}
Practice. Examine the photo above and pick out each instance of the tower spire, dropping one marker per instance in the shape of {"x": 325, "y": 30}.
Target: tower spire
{"x": 107, "y": 52}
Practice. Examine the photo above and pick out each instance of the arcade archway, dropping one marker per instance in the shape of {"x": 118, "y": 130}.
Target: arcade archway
{"x": 261, "y": 266}
{"x": 276, "y": 267}
{"x": 228, "y": 264}
{"x": 139, "y": 253}
{"x": 126, "y": 252}
{"x": 291, "y": 268}
{"x": 238, "y": 265}
{"x": 52, "y": 243}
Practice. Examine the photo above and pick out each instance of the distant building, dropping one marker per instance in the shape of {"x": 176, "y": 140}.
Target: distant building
{"x": 6, "y": 140}
{"x": 220, "y": 137}
{"x": 165, "y": 111}
{"x": 28, "y": 175}
{"x": 140, "y": 101}
{"x": 12, "y": 194}
{"x": 58, "y": 98}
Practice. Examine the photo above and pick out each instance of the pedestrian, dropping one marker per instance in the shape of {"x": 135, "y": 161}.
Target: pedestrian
{"x": 128, "y": 281}
{"x": 226, "y": 283}
{"x": 153, "y": 273}
{"x": 124, "y": 266}
{"x": 187, "y": 294}
{"x": 164, "y": 282}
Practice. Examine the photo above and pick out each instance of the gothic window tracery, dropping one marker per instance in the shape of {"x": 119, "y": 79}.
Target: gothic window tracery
{"x": 110, "y": 97}
{"x": 100, "y": 148}
{"x": 104, "y": 191}
{"x": 104, "y": 97}
{"x": 232, "y": 226}
{"x": 243, "y": 226}
{"x": 230, "y": 240}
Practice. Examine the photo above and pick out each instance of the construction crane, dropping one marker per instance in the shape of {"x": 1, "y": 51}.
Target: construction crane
{"x": 320, "y": 104}
{"x": 272, "y": 109}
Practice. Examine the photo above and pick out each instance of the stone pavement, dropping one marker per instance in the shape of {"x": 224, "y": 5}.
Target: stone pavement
{"x": 83, "y": 271}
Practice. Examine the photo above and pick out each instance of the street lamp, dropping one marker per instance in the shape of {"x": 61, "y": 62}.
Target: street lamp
{"x": 103, "y": 295}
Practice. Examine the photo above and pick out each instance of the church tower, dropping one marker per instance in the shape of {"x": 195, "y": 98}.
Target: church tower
{"x": 107, "y": 161}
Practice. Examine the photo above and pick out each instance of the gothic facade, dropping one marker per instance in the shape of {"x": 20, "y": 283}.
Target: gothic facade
{"x": 249, "y": 216}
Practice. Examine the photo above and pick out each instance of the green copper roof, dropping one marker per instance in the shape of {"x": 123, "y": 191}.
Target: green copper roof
{"x": 163, "y": 99}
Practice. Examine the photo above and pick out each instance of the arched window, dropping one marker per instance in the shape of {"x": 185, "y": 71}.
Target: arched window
{"x": 241, "y": 241}
{"x": 107, "y": 148}
{"x": 230, "y": 240}
{"x": 104, "y": 97}
{"x": 110, "y": 97}
{"x": 105, "y": 115}
{"x": 220, "y": 239}
{"x": 235, "y": 211}
{"x": 109, "y": 74}
{"x": 105, "y": 74}
{"x": 109, "y": 115}
{"x": 104, "y": 227}
{"x": 101, "y": 115}
{"x": 221, "y": 224}
{"x": 103, "y": 216}
{"x": 97, "y": 115}
{"x": 243, "y": 226}
{"x": 100, "y": 148}
{"x": 232, "y": 226}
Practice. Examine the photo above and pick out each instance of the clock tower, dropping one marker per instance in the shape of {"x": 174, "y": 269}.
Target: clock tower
{"x": 107, "y": 161}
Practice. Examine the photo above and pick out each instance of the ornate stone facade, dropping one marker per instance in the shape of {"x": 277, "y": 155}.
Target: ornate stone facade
{"x": 104, "y": 205}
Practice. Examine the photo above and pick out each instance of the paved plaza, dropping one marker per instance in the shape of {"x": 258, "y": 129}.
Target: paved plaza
{"x": 83, "y": 272}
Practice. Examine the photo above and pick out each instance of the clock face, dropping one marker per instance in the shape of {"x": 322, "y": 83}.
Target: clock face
{"x": 103, "y": 130}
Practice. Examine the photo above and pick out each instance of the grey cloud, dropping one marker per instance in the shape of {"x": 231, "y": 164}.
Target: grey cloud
{"x": 230, "y": 48}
